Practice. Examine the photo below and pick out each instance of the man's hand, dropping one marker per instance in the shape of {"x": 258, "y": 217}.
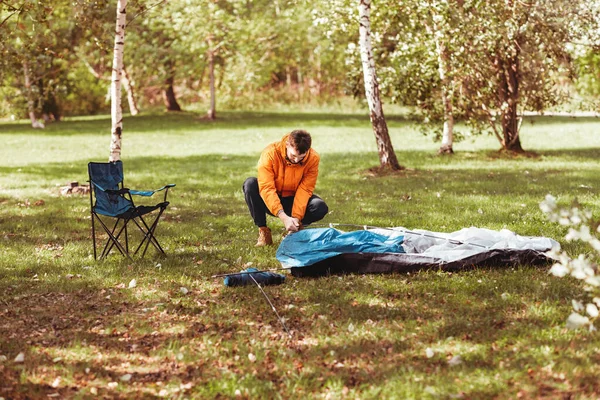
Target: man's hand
{"x": 291, "y": 224}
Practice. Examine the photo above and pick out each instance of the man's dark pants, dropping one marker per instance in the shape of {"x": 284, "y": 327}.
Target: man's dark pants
{"x": 315, "y": 210}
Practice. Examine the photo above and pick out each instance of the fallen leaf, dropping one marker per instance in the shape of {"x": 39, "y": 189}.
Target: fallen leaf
{"x": 454, "y": 361}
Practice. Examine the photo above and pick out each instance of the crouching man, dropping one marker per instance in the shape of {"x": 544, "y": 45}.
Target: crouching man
{"x": 287, "y": 175}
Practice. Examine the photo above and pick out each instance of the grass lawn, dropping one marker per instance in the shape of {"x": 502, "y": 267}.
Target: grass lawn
{"x": 84, "y": 332}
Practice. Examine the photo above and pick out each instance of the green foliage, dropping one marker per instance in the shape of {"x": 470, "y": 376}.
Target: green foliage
{"x": 300, "y": 51}
{"x": 84, "y": 333}
{"x": 589, "y": 74}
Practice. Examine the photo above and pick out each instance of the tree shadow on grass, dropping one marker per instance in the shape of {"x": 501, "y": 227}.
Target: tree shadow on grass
{"x": 142, "y": 337}
{"x": 174, "y": 122}
{"x": 210, "y": 206}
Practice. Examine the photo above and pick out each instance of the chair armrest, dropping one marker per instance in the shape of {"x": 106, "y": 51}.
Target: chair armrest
{"x": 110, "y": 191}
{"x": 119, "y": 192}
{"x": 149, "y": 193}
{"x": 170, "y": 185}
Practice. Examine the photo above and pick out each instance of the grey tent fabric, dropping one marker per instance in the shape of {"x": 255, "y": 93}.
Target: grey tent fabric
{"x": 466, "y": 248}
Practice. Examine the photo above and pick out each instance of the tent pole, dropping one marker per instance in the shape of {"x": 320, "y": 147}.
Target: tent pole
{"x": 272, "y": 306}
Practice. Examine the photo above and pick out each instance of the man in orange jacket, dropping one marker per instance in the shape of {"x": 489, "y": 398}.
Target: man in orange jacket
{"x": 287, "y": 175}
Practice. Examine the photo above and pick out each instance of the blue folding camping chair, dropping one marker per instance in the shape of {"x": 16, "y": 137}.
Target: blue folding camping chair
{"x": 111, "y": 200}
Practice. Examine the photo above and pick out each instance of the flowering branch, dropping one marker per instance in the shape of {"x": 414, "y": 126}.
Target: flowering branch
{"x": 581, "y": 228}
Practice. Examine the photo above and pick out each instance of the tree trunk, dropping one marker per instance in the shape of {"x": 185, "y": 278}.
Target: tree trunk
{"x": 212, "y": 111}
{"x": 131, "y": 97}
{"x": 115, "y": 86}
{"x": 50, "y": 108}
{"x": 508, "y": 71}
{"x": 387, "y": 156}
{"x": 30, "y": 102}
{"x": 443, "y": 56}
{"x": 169, "y": 95}
{"x": 288, "y": 76}
{"x": 133, "y": 107}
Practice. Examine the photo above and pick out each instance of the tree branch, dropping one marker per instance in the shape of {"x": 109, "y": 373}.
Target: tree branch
{"x": 145, "y": 11}
{"x": 13, "y": 9}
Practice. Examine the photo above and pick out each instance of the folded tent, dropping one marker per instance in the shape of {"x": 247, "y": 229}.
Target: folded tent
{"x": 323, "y": 251}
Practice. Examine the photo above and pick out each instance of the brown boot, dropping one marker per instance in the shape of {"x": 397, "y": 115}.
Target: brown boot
{"x": 264, "y": 237}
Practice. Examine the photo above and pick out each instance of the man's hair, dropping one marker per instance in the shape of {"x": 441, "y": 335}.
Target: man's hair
{"x": 301, "y": 140}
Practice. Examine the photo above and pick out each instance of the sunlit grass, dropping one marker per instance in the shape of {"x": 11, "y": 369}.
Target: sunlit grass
{"x": 82, "y": 328}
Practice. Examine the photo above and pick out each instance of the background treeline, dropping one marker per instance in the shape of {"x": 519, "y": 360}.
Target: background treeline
{"x": 482, "y": 57}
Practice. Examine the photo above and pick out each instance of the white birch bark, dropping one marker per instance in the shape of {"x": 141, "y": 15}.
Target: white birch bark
{"x": 133, "y": 107}
{"x": 35, "y": 123}
{"x": 442, "y": 53}
{"x": 115, "y": 88}
{"x": 129, "y": 88}
{"x": 387, "y": 156}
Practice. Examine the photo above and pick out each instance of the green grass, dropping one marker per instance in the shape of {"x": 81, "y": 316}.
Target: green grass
{"x": 81, "y": 328}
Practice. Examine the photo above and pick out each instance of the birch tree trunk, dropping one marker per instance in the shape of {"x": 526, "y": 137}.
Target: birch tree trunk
{"x": 115, "y": 87}
{"x": 387, "y": 156}
{"x": 30, "y": 103}
{"x": 448, "y": 133}
{"x": 212, "y": 111}
{"x": 129, "y": 88}
{"x": 133, "y": 107}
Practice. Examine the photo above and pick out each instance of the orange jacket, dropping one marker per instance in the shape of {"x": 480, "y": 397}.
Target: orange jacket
{"x": 278, "y": 177}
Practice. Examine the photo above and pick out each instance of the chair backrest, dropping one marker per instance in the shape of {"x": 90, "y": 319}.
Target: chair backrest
{"x": 108, "y": 176}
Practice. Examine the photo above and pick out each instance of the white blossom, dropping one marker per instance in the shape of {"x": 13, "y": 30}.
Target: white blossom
{"x": 582, "y": 267}
{"x": 576, "y": 321}
{"x": 577, "y": 305}
{"x": 591, "y": 310}
{"x": 559, "y": 270}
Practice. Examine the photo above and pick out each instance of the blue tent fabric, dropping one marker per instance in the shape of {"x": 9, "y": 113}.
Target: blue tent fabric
{"x": 310, "y": 246}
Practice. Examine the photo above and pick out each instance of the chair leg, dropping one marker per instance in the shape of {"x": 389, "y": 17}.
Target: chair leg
{"x": 126, "y": 238}
{"x": 152, "y": 237}
{"x": 149, "y": 234}
{"x": 113, "y": 240}
{"x": 125, "y": 251}
{"x": 94, "y": 234}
